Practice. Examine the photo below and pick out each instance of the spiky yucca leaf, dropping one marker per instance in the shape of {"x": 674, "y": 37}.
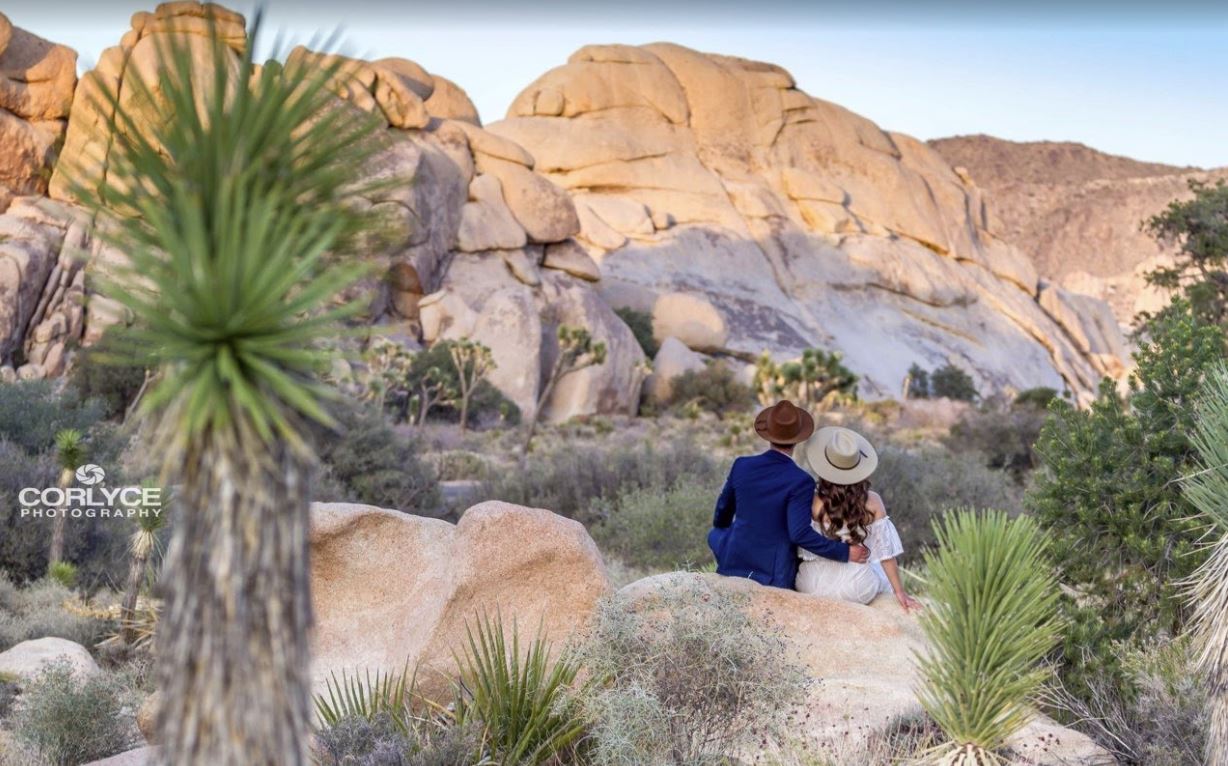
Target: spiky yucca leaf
{"x": 1207, "y": 589}
{"x": 367, "y": 695}
{"x": 228, "y": 208}
{"x": 519, "y": 697}
{"x": 992, "y": 619}
{"x": 69, "y": 450}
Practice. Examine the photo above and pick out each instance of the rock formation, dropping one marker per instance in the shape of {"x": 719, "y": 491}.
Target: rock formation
{"x": 861, "y": 658}
{"x": 784, "y": 221}
{"x": 1078, "y": 212}
{"x": 36, "y": 88}
{"x": 390, "y": 588}
{"x": 742, "y": 213}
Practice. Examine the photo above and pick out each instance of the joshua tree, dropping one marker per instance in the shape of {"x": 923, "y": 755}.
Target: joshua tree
{"x": 577, "y": 350}
{"x": 230, "y": 190}
{"x": 808, "y": 380}
{"x": 432, "y": 379}
{"x": 473, "y": 362}
{"x": 70, "y": 453}
{"x": 144, "y": 540}
{"x": 1207, "y": 490}
{"x": 992, "y": 621}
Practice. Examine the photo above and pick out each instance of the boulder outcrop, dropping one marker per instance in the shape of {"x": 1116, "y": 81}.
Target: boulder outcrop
{"x": 1077, "y": 212}
{"x": 37, "y": 78}
{"x": 795, "y": 222}
{"x": 390, "y": 588}
{"x": 861, "y": 658}
{"x": 27, "y": 659}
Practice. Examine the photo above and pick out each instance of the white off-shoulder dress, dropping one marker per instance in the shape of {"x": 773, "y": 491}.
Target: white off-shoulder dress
{"x": 851, "y": 581}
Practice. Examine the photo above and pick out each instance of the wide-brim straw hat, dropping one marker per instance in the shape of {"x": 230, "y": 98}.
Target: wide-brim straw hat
{"x": 784, "y": 423}
{"x": 838, "y": 456}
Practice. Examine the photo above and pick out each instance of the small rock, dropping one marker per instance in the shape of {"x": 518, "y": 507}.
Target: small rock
{"x": 571, "y": 258}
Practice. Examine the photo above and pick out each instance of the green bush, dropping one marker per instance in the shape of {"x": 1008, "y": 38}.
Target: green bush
{"x": 713, "y": 389}
{"x": 33, "y": 412}
{"x": 918, "y": 485}
{"x": 96, "y": 378}
{"x": 952, "y": 382}
{"x": 567, "y": 480}
{"x": 640, "y": 323}
{"x": 370, "y": 463}
{"x": 40, "y": 611}
{"x": 991, "y": 620}
{"x": 378, "y": 741}
{"x": 69, "y": 720}
{"x": 686, "y": 676}
{"x": 1038, "y": 398}
{"x": 655, "y": 529}
{"x": 1004, "y": 436}
{"x": 1124, "y": 536}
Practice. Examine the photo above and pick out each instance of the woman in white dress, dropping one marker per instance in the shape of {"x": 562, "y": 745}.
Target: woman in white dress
{"x": 846, "y": 509}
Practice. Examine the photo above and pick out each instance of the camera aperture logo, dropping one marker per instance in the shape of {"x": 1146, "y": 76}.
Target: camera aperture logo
{"x": 91, "y": 500}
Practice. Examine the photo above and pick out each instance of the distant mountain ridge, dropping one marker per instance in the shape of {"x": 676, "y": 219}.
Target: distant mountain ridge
{"x": 1078, "y": 212}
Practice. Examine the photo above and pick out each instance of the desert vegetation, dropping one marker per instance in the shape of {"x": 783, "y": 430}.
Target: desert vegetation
{"x": 1073, "y": 557}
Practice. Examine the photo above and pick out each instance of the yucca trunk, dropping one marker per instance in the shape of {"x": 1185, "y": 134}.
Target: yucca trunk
{"x": 59, "y": 524}
{"x": 1210, "y": 630}
{"x": 233, "y": 636}
{"x": 132, "y": 588}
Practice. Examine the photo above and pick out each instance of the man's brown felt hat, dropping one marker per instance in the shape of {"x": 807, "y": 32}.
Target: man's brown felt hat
{"x": 783, "y": 423}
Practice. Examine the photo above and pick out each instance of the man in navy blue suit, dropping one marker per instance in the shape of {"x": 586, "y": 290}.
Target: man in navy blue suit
{"x": 763, "y": 514}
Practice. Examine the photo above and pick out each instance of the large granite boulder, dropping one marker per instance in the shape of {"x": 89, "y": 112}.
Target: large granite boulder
{"x": 37, "y": 78}
{"x": 788, "y": 221}
{"x": 27, "y": 659}
{"x": 861, "y": 659}
{"x": 389, "y": 588}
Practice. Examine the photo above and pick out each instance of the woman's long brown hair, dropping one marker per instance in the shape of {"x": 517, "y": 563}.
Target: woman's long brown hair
{"x": 843, "y": 505}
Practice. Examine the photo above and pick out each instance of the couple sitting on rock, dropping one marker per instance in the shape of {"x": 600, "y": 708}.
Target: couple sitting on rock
{"x": 801, "y": 515}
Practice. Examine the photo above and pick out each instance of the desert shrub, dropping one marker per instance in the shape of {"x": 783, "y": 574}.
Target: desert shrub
{"x": 360, "y": 741}
{"x": 64, "y": 573}
{"x": 112, "y": 385}
{"x": 1040, "y": 397}
{"x": 952, "y": 382}
{"x": 8, "y": 592}
{"x": 40, "y": 611}
{"x": 713, "y": 389}
{"x": 9, "y": 688}
{"x": 567, "y": 480}
{"x": 918, "y": 382}
{"x": 918, "y": 485}
{"x": 522, "y": 700}
{"x": 1124, "y": 535}
{"x": 368, "y": 462}
{"x": 640, "y": 323}
{"x": 1158, "y": 717}
{"x": 69, "y": 720}
{"x": 992, "y": 619}
{"x": 32, "y": 412}
{"x": 655, "y": 529}
{"x": 685, "y": 676}
{"x": 1004, "y": 435}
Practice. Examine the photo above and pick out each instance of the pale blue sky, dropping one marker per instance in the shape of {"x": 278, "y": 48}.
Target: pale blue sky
{"x": 1120, "y": 77}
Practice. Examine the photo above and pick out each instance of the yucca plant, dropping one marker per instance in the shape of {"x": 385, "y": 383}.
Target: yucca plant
{"x": 368, "y": 695}
{"x": 1207, "y": 490}
{"x": 521, "y": 698}
{"x": 228, "y": 188}
{"x": 992, "y": 619}
{"x": 69, "y": 453}
{"x": 140, "y": 549}
{"x": 63, "y": 573}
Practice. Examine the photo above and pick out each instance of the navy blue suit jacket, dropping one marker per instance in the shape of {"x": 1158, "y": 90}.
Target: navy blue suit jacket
{"x": 762, "y": 517}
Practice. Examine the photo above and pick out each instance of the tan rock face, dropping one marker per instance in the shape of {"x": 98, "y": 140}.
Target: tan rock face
{"x": 673, "y": 359}
{"x": 37, "y": 78}
{"x": 389, "y": 588}
{"x": 1077, "y": 212}
{"x": 861, "y": 658}
{"x": 798, "y": 222}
